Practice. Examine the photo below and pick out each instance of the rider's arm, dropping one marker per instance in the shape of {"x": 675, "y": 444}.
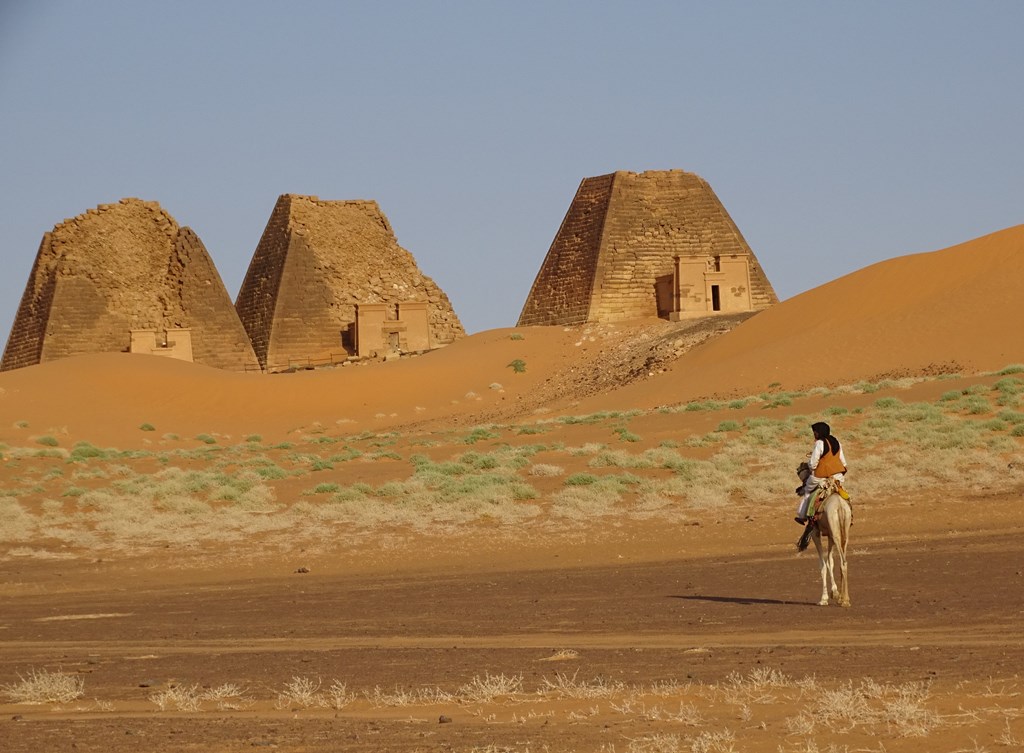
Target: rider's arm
{"x": 819, "y": 448}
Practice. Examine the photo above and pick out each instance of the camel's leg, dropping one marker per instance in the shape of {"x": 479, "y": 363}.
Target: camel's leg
{"x": 840, "y": 524}
{"x": 833, "y": 587}
{"x": 823, "y": 561}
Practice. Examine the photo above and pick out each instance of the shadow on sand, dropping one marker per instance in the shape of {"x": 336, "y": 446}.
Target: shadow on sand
{"x": 740, "y": 600}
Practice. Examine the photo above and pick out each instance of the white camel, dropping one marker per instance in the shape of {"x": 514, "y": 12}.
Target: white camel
{"x": 834, "y": 524}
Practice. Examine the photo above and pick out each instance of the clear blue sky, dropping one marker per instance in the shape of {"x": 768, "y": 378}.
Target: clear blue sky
{"x": 837, "y": 134}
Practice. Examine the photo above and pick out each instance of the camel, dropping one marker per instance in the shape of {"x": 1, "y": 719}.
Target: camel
{"x": 834, "y": 524}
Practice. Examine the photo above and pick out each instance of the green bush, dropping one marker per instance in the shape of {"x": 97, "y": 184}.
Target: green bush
{"x": 206, "y": 439}
{"x": 1016, "y": 368}
{"x": 581, "y": 479}
{"x": 518, "y": 366}
{"x": 271, "y": 471}
{"x": 147, "y": 427}
{"x": 531, "y": 430}
{"x": 888, "y": 402}
{"x": 84, "y": 451}
{"x": 48, "y": 441}
{"x": 481, "y": 432}
{"x": 626, "y": 435}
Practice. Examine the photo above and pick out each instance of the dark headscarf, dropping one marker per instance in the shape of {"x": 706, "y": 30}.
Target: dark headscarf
{"x": 823, "y": 432}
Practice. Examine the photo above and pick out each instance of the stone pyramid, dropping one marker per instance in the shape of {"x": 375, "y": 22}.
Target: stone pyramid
{"x": 105, "y": 280}
{"x": 636, "y": 245}
{"x": 320, "y": 269}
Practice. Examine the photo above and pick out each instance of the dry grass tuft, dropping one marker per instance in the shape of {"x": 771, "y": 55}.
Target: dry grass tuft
{"x": 43, "y": 686}
{"x": 485, "y": 689}
{"x": 566, "y": 686}
{"x": 179, "y": 698}
{"x": 301, "y": 693}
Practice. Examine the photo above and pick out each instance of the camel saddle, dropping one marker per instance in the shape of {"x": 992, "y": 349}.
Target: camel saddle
{"x": 816, "y": 511}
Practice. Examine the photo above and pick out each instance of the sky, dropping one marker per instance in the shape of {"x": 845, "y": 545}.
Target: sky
{"x": 837, "y": 134}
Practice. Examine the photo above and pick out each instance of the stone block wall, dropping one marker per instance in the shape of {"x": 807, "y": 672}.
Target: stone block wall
{"x": 562, "y": 290}
{"x": 117, "y": 268}
{"x": 315, "y": 263}
{"x": 637, "y": 224}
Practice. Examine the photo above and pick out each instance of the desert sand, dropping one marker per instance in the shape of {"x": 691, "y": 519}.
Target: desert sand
{"x": 544, "y": 538}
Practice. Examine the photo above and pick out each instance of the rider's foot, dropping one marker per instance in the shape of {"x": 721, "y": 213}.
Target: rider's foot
{"x": 801, "y": 521}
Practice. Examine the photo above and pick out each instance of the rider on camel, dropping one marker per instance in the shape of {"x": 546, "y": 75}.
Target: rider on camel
{"x": 825, "y": 461}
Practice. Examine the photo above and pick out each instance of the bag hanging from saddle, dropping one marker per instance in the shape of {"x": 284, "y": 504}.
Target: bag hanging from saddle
{"x": 823, "y": 492}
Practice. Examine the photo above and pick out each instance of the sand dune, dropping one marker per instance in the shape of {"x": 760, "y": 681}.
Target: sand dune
{"x": 957, "y": 309}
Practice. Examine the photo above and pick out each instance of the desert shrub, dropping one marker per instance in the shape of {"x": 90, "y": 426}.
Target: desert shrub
{"x": 254, "y": 438}
{"x": 1011, "y": 416}
{"x": 47, "y": 441}
{"x": 888, "y": 402}
{"x": 578, "y": 503}
{"x": 777, "y": 401}
{"x": 206, "y": 439}
{"x": 322, "y": 440}
{"x": 703, "y": 440}
{"x": 480, "y": 432}
{"x": 625, "y": 435}
{"x": 590, "y": 418}
{"x": 179, "y": 698}
{"x": 531, "y": 430}
{"x": 269, "y": 470}
{"x": 706, "y": 405}
{"x": 543, "y": 469}
{"x": 85, "y": 451}
{"x": 43, "y": 686}
{"x": 1016, "y": 368}
{"x": 1009, "y": 384}
{"x": 351, "y": 494}
{"x": 620, "y": 459}
{"x": 739, "y": 404}
{"x": 515, "y": 336}
{"x": 480, "y": 461}
{"x": 728, "y": 426}
{"x": 485, "y": 689}
{"x": 976, "y": 405}
{"x": 326, "y": 488}
{"x": 147, "y": 427}
{"x": 581, "y": 479}
{"x": 518, "y": 366}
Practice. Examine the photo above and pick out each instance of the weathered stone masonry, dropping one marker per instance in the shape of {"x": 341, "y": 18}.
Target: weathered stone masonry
{"x": 658, "y": 243}
{"x": 315, "y": 264}
{"x": 118, "y": 268}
